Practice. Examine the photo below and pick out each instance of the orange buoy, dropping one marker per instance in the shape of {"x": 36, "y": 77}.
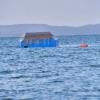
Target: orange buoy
{"x": 84, "y": 45}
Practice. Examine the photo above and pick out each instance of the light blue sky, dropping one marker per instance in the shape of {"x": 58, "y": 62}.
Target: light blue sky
{"x": 52, "y": 12}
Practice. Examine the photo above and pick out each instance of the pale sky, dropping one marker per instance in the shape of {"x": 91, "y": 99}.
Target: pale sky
{"x": 52, "y": 12}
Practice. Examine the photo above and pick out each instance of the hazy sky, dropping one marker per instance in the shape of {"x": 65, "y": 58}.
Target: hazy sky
{"x": 52, "y": 12}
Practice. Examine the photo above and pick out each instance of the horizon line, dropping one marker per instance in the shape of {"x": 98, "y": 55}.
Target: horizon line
{"x": 49, "y": 24}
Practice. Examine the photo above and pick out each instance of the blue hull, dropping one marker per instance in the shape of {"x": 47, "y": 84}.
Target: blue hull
{"x": 43, "y": 43}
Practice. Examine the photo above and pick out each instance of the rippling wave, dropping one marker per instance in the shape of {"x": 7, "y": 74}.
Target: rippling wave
{"x": 67, "y": 72}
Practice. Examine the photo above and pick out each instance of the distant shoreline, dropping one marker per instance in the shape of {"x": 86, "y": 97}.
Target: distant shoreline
{"x": 19, "y": 29}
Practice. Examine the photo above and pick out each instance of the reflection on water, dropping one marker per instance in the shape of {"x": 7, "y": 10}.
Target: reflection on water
{"x": 67, "y": 72}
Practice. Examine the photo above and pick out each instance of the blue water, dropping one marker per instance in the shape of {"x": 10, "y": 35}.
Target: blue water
{"x": 67, "y": 72}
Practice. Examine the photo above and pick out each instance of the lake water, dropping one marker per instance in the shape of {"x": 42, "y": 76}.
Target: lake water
{"x": 67, "y": 72}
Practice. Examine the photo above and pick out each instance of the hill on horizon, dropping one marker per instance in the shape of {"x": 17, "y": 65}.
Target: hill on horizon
{"x": 19, "y": 29}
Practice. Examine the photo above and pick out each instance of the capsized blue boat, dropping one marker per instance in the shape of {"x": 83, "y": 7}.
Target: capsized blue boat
{"x": 38, "y": 39}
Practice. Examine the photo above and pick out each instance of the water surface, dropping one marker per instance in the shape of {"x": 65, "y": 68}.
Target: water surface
{"x": 67, "y": 72}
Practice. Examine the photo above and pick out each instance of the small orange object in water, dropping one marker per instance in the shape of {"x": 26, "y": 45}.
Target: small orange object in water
{"x": 83, "y": 45}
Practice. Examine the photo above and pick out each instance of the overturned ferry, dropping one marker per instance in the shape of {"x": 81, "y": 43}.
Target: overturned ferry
{"x": 38, "y": 39}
